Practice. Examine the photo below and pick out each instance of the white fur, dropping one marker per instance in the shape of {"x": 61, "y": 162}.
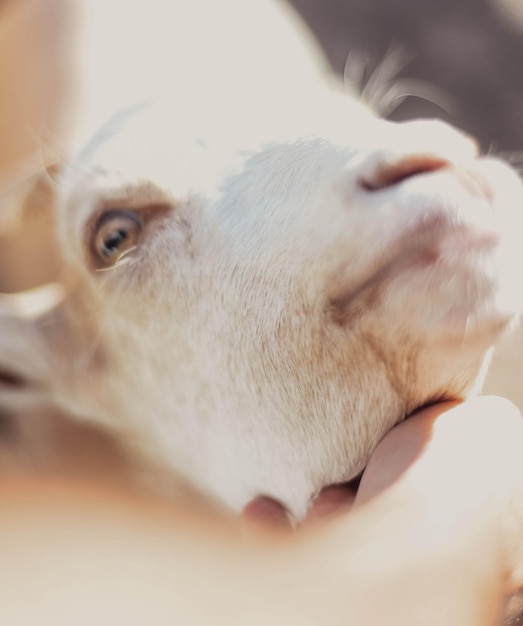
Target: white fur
{"x": 285, "y": 311}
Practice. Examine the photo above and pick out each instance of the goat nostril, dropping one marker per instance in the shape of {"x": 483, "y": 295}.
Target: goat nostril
{"x": 394, "y": 173}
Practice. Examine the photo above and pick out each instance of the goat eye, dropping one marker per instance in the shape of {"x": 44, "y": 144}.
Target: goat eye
{"x": 115, "y": 234}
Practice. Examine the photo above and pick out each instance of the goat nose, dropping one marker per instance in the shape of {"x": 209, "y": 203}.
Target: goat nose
{"x": 416, "y": 148}
{"x": 388, "y": 174}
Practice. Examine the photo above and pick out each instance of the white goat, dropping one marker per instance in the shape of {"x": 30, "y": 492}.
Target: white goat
{"x": 269, "y": 276}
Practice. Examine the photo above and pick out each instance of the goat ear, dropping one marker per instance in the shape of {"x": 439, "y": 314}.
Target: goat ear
{"x": 24, "y": 353}
{"x": 40, "y": 337}
{"x": 37, "y": 435}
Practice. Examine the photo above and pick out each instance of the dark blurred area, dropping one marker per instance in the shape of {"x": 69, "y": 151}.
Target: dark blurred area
{"x": 471, "y": 51}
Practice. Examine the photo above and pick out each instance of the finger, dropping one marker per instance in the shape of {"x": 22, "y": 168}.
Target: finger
{"x": 397, "y": 452}
{"x": 263, "y": 513}
{"x": 472, "y": 449}
{"x": 331, "y": 502}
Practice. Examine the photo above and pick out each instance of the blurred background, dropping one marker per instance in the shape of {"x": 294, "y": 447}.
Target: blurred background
{"x": 470, "y": 51}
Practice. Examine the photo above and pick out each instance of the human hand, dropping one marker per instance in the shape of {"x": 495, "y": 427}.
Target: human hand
{"x": 440, "y": 503}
